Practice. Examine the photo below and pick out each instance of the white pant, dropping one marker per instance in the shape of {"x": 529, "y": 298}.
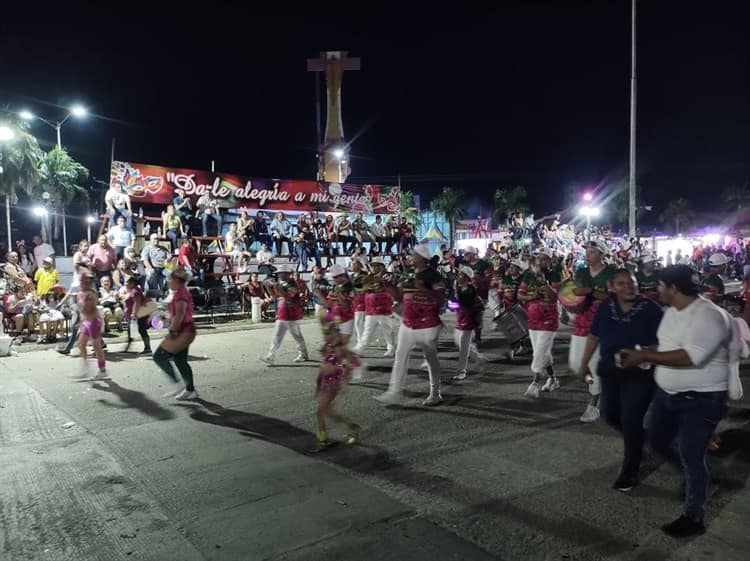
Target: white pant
{"x": 407, "y": 339}
{"x": 575, "y": 358}
{"x": 280, "y": 328}
{"x": 541, "y": 344}
{"x": 463, "y": 340}
{"x": 493, "y": 301}
{"x": 359, "y": 325}
{"x": 371, "y": 323}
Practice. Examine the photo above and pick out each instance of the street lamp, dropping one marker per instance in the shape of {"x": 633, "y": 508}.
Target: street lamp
{"x": 589, "y": 212}
{"x": 89, "y": 221}
{"x": 587, "y": 197}
{"x": 75, "y": 111}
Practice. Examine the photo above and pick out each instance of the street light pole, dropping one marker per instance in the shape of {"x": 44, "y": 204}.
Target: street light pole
{"x": 631, "y": 178}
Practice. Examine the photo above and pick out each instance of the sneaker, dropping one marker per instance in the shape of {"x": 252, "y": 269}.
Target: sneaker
{"x": 684, "y": 527}
{"x": 101, "y": 375}
{"x": 320, "y": 446}
{"x": 590, "y": 415}
{"x": 460, "y": 376}
{"x": 433, "y": 399}
{"x": 186, "y": 395}
{"x": 390, "y": 398}
{"x": 532, "y": 391}
{"x": 424, "y": 366}
{"x": 145, "y": 352}
{"x": 353, "y": 435}
{"x": 551, "y": 384}
{"x": 625, "y": 483}
{"x": 390, "y": 353}
{"x": 268, "y": 359}
{"x": 301, "y": 358}
{"x": 63, "y": 351}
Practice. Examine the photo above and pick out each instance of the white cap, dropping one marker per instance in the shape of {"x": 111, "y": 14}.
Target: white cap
{"x": 545, "y": 251}
{"x": 649, "y": 258}
{"x": 362, "y": 259}
{"x": 468, "y": 271}
{"x": 718, "y": 259}
{"x": 518, "y": 263}
{"x": 377, "y": 261}
{"x": 598, "y": 244}
{"x": 471, "y": 249}
{"x": 423, "y": 251}
{"x": 336, "y": 270}
{"x": 48, "y": 260}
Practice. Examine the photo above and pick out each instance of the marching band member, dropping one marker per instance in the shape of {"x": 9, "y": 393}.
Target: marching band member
{"x": 359, "y": 275}
{"x": 340, "y": 300}
{"x": 288, "y": 315}
{"x": 648, "y": 280}
{"x": 378, "y": 309}
{"x": 468, "y": 316}
{"x": 538, "y": 290}
{"x": 591, "y": 281}
{"x": 481, "y": 280}
{"x": 422, "y": 300}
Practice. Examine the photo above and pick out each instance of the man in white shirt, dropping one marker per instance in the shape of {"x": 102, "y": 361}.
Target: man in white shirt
{"x": 379, "y": 233}
{"x": 692, "y": 373}
{"x": 265, "y": 260}
{"x": 208, "y": 207}
{"x": 118, "y": 204}
{"x": 120, "y": 237}
{"x": 42, "y": 251}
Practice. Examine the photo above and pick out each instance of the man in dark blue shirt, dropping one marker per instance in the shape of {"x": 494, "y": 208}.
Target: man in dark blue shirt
{"x": 624, "y": 320}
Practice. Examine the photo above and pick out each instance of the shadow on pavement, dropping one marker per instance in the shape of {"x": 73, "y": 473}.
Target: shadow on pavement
{"x": 134, "y": 399}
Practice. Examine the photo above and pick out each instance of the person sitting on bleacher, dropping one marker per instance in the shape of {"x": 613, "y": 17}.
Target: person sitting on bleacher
{"x": 265, "y": 260}
{"x": 186, "y": 258}
{"x": 281, "y": 230}
{"x": 173, "y": 226}
{"x": 306, "y": 248}
{"x": 154, "y": 259}
{"x": 246, "y": 229}
{"x": 208, "y": 207}
{"x": 261, "y": 229}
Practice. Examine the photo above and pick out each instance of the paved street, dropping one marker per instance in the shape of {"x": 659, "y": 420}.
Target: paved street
{"x": 486, "y": 475}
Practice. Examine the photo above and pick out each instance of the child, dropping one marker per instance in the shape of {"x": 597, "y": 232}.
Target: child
{"x": 49, "y": 321}
{"x": 134, "y": 300}
{"x": 333, "y": 375}
{"x": 90, "y": 328}
{"x": 468, "y": 317}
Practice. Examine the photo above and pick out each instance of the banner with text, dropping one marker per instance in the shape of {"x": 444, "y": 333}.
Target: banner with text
{"x": 149, "y": 184}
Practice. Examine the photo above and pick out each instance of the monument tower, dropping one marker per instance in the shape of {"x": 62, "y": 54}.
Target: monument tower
{"x": 333, "y": 154}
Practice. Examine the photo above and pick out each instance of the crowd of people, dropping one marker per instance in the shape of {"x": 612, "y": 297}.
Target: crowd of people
{"x": 645, "y": 335}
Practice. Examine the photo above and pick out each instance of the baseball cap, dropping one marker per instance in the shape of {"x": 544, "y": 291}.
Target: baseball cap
{"x": 468, "y": 271}
{"x": 423, "y": 251}
{"x": 336, "y": 270}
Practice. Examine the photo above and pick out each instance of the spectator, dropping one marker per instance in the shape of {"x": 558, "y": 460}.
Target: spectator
{"x": 255, "y": 289}
{"x": 46, "y": 277}
{"x": 154, "y": 259}
{"x": 246, "y": 229}
{"x": 208, "y": 207}
{"x": 319, "y": 285}
{"x": 110, "y": 301}
{"x": 80, "y": 257}
{"x": 265, "y": 260}
{"x": 281, "y": 230}
{"x": 120, "y": 237}
{"x": 379, "y": 233}
{"x": 102, "y": 257}
{"x": 361, "y": 231}
{"x": 186, "y": 258}
{"x": 42, "y": 250}
{"x": 173, "y": 226}
{"x": 344, "y": 231}
{"x": 306, "y": 249}
{"x": 118, "y": 204}
{"x": 182, "y": 206}
{"x": 261, "y": 229}
{"x": 391, "y": 229}
{"x": 26, "y": 260}
{"x": 121, "y": 274}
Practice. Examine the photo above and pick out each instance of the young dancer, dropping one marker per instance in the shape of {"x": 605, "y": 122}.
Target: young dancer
{"x": 90, "y": 328}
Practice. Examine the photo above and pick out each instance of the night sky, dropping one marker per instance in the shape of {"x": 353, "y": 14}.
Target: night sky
{"x": 530, "y": 93}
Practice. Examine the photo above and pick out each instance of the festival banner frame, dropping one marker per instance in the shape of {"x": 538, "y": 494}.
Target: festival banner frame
{"x": 152, "y": 184}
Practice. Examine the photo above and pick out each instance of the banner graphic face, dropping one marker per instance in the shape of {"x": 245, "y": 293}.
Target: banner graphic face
{"x": 148, "y": 184}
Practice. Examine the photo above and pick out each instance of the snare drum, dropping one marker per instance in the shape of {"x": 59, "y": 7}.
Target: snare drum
{"x": 514, "y": 323}
{"x": 569, "y": 300}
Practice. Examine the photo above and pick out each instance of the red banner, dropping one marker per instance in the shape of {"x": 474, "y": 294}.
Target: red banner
{"x": 148, "y": 184}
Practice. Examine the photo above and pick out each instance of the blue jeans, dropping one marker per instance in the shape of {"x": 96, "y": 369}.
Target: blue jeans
{"x": 204, "y": 223}
{"x": 625, "y": 398}
{"x": 125, "y": 213}
{"x": 680, "y": 428}
{"x": 174, "y": 236}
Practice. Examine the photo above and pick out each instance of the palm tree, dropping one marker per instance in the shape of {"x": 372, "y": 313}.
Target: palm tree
{"x": 736, "y": 197}
{"x": 408, "y": 208}
{"x": 451, "y": 204}
{"x": 19, "y": 161}
{"x": 60, "y": 176}
{"x": 509, "y": 201}
{"x": 678, "y": 213}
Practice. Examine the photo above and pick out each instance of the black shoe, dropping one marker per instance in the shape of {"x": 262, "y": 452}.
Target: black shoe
{"x": 63, "y": 351}
{"x": 625, "y": 483}
{"x": 684, "y": 527}
{"x": 145, "y": 352}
